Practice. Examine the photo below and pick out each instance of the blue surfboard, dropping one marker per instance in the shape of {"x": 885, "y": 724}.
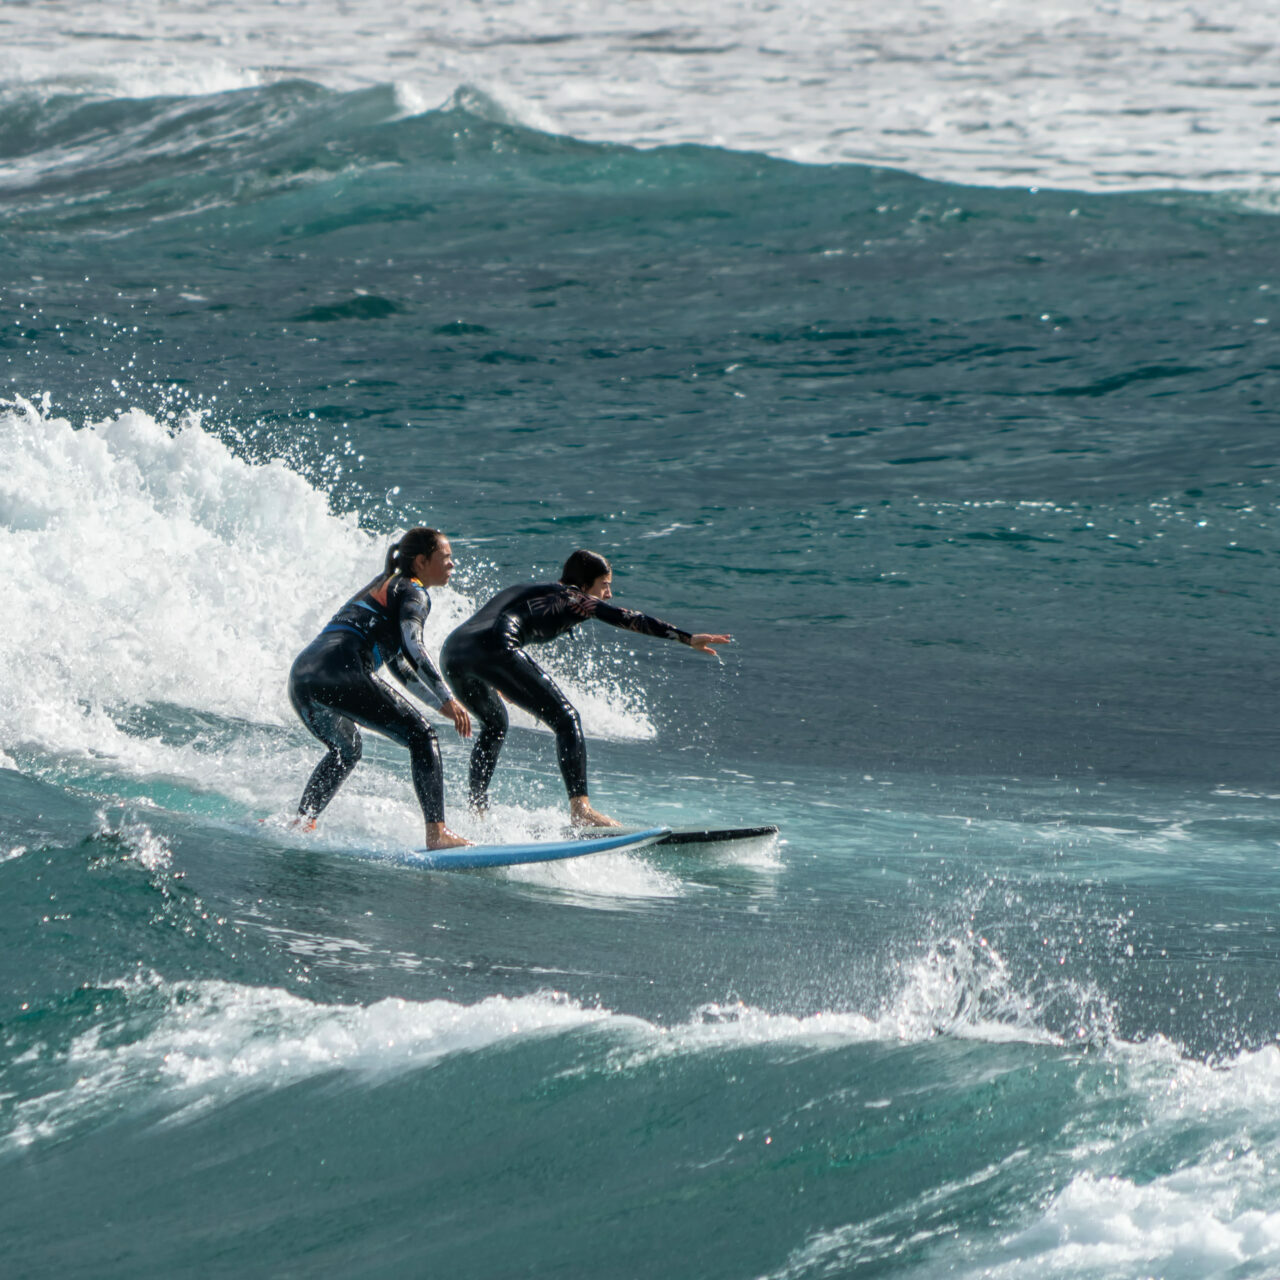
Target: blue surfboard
{"x": 510, "y": 855}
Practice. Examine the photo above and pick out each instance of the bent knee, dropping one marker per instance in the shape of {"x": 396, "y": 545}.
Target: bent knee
{"x": 566, "y": 721}
{"x": 493, "y": 721}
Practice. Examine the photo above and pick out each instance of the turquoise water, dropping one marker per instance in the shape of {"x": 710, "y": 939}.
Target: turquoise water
{"x": 981, "y": 482}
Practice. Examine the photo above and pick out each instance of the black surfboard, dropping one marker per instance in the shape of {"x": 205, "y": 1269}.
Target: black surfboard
{"x": 690, "y": 837}
{"x": 715, "y": 835}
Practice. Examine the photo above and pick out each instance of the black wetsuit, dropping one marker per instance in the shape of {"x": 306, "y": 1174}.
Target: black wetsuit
{"x": 332, "y": 687}
{"x": 487, "y": 652}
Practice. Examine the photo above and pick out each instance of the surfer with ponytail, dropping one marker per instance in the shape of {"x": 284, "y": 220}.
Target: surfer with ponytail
{"x": 333, "y": 688}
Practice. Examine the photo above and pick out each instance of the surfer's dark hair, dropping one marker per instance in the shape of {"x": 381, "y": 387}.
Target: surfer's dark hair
{"x": 582, "y": 568}
{"x": 418, "y": 541}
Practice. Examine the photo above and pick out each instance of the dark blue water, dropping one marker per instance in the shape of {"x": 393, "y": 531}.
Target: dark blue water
{"x": 981, "y": 483}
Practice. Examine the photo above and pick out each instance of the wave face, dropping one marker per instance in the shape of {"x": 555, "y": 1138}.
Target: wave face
{"x": 1079, "y": 94}
{"x": 979, "y": 477}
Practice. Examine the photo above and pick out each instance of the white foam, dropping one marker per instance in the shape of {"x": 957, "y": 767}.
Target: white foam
{"x": 1181, "y": 1090}
{"x": 1205, "y": 1220}
{"x": 49, "y": 67}
{"x": 176, "y": 562}
{"x": 601, "y": 878}
{"x": 610, "y": 702}
{"x": 717, "y": 1027}
{"x": 1202, "y": 1221}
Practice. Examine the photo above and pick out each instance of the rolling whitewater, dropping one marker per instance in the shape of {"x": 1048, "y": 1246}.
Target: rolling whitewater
{"x": 967, "y": 434}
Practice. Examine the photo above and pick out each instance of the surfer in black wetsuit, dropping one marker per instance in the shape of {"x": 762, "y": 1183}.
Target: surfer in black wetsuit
{"x": 485, "y": 657}
{"x": 332, "y": 685}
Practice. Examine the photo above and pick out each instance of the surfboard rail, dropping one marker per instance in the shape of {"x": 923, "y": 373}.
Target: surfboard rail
{"x": 512, "y": 855}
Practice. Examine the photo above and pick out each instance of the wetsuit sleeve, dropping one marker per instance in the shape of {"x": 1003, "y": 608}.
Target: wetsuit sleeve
{"x": 589, "y": 607}
{"x": 412, "y": 666}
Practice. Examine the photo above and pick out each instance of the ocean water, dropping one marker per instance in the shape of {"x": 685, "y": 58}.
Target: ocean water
{"x": 929, "y": 353}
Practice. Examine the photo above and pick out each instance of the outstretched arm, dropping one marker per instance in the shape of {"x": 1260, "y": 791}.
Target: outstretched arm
{"x": 630, "y": 620}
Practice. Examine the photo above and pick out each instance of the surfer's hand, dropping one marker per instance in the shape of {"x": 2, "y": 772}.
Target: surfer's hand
{"x": 703, "y": 642}
{"x": 458, "y": 714}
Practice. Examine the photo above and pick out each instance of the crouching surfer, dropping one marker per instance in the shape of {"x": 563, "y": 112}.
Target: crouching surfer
{"x": 485, "y": 657}
{"x": 333, "y": 687}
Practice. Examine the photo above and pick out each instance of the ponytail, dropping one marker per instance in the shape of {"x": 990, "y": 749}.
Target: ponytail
{"x": 418, "y": 541}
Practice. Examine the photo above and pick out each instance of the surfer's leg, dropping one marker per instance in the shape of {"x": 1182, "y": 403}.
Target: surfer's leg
{"x": 378, "y": 707}
{"x": 486, "y": 706}
{"x": 341, "y": 736}
{"x": 357, "y": 698}
{"x": 317, "y": 672}
{"x": 528, "y": 686}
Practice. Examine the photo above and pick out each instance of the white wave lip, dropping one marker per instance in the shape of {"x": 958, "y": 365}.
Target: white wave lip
{"x": 1137, "y": 93}
{"x": 181, "y": 565}
{"x": 244, "y": 1034}
{"x": 214, "y": 1039}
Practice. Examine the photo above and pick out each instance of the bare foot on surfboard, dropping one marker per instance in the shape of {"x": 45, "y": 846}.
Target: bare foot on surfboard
{"x": 440, "y": 837}
{"x": 581, "y": 814}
